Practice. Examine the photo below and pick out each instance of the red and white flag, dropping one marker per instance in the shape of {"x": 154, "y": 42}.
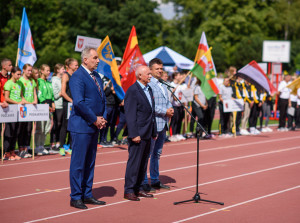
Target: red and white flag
{"x": 256, "y": 76}
{"x": 128, "y": 67}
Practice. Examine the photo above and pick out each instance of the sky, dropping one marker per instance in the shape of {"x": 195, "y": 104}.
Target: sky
{"x": 166, "y": 9}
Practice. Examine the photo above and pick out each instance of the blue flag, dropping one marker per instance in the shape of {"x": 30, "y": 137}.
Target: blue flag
{"x": 108, "y": 66}
{"x": 26, "y": 53}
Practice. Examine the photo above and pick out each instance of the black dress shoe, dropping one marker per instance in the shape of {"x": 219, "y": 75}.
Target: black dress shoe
{"x": 144, "y": 194}
{"x": 78, "y": 204}
{"x": 131, "y": 196}
{"x": 94, "y": 201}
{"x": 147, "y": 188}
{"x": 159, "y": 185}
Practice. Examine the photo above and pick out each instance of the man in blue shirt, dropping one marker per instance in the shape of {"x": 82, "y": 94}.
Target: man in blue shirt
{"x": 163, "y": 111}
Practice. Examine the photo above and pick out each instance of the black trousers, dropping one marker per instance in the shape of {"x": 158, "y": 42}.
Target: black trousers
{"x": 58, "y": 116}
{"x": 283, "y": 105}
{"x": 199, "y": 113}
{"x": 209, "y": 114}
{"x": 238, "y": 121}
{"x": 24, "y": 136}
{"x": 136, "y": 165}
{"x": 176, "y": 119}
{"x": 224, "y": 119}
{"x": 10, "y": 136}
{"x": 255, "y": 110}
{"x": 298, "y": 117}
{"x": 64, "y": 126}
{"x": 292, "y": 119}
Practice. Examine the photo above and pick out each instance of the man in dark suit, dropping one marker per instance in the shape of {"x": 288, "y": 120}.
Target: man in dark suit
{"x": 87, "y": 117}
{"x": 141, "y": 124}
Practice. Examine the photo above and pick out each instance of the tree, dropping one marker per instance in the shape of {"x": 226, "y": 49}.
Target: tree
{"x": 54, "y": 30}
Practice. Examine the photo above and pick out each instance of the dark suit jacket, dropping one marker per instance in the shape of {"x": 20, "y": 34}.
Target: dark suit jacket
{"x": 140, "y": 116}
{"x": 87, "y": 102}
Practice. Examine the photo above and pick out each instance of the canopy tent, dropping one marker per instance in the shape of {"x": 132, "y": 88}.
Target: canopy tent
{"x": 170, "y": 58}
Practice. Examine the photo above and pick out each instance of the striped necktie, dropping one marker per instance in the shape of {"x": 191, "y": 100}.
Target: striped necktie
{"x": 96, "y": 82}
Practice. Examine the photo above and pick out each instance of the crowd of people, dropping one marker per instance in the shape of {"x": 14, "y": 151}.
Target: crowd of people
{"x": 33, "y": 85}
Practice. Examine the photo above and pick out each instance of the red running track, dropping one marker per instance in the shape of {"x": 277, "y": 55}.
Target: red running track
{"x": 257, "y": 177}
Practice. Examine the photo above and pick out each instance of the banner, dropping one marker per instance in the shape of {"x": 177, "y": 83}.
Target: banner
{"x": 233, "y": 105}
{"x": 84, "y": 41}
{"x": 70, "y": 106}
{"x": 9, "y": 114}
{"x": 30, "y": 112}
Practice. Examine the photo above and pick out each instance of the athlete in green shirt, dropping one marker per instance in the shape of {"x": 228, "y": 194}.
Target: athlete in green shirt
{"x": 29, "y": 93}
{"x": 13, "y": 95}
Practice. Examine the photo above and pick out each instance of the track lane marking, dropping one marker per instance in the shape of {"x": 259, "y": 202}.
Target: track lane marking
{"x": 167, "y": 145}
{"x": 163, "y": 171}
{"x": 239, "y": 204}
{"x": 171, "y": 191}
{"x": 163, "y": 156}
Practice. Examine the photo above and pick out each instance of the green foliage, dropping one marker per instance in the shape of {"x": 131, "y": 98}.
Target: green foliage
{"x": 55, "y": 24}
{"x": 234, "y": 28}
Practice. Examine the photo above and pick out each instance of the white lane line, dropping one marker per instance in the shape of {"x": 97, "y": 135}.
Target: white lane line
{"x": 166, "y": 145}
{"x": 57, "y": 158}
{"x": 239, "y": 204}
{"x": 163, "y": 156}
{"x": 163, "y": 171}
{"x": 171, "y": 191}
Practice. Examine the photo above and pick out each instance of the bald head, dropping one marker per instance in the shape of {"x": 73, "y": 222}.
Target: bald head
{"x": 143, "y": 74}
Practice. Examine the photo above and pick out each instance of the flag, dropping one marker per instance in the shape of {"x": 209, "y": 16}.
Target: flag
{"x": 294, "y": 86}
{"x": 132, "y": 58}
{"x": 204, "y": 71}
{"x": 129, "y": 65}
{"x": 108, "y": 66}
{"x": 203, "y": 48}
{"x": 26, "y": 52}
{"x": 256, "y": 76}
{"x": 131, "y": 43}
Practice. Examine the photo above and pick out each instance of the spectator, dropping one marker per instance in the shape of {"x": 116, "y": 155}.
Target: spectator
{"x": 266, "y": 112}
{"x": 59, "y": 70}
{"x": 225, "y": 94}
{"x": 298, "y": 109}
{"x": 6, "y": 67}
{"x": 12, "y": 95}
{"x": 284, "y": 101}
{"x": 256, "y": 108}
{"x": 176, "y": 120}
{"x": 248, "y": 104}
{"x": 199, "y": 105}
{"x": 71, "y": 66}
{"x": 45, "y": 96}
{"x": 29, "y": 93}
{"x": 111, "y": 109}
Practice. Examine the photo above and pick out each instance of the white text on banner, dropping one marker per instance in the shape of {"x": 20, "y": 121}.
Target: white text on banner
{"x": 30, "y": 112}
{"x": 233, "y": 105}
{"x": 9, "y": 114}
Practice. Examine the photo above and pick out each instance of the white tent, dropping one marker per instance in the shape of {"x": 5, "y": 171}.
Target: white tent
{"x": 170, "y": 58}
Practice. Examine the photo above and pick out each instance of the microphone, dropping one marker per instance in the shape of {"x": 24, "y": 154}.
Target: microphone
{"x": 165, "y": 83}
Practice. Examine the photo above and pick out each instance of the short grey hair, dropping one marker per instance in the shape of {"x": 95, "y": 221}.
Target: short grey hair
{"x": 86, "y": 52}
{"x": 139, "y": 69}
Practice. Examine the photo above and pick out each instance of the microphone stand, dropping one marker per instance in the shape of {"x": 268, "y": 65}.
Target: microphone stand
{"x": 199, "y": 127}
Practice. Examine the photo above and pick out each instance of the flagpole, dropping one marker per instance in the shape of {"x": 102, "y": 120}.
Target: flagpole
{"x": 17, "y": 56}
{"x": 234, "y": 124}
{"x": 2, "y": 142}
